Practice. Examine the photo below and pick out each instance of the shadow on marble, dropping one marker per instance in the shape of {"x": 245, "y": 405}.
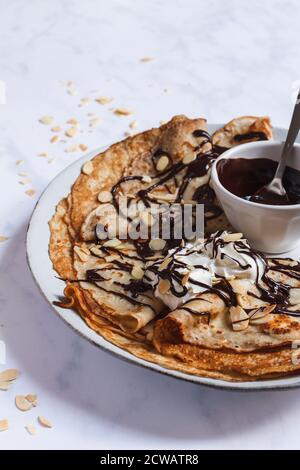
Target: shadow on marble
{"x": 106, "y": 388}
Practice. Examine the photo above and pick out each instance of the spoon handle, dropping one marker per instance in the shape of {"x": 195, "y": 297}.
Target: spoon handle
{"x": 290, "y": 139}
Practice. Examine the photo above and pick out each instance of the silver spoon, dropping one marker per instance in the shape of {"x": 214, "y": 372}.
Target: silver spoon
{"x": 275, "y": 188}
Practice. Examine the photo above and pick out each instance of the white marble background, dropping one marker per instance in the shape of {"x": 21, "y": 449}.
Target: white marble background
{"x": 213, "y": 58}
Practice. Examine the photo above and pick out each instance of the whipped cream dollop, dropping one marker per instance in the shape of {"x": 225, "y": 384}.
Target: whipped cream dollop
{"x": 197, "y": 267}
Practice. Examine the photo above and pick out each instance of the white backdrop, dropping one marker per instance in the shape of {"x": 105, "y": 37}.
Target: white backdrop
{"x": 212, "y": 58}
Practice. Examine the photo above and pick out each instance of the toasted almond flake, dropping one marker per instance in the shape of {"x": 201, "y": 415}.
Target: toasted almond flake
{"x": 122, "y": 112}
{"x": 294, "y": 296}
{"x": 4, "y": 425}
{"x": 83, "y": 147}
{"x": 80, "y": 253}
{"x": 232, "y": 237}
{"x": 87, "y": 168}
{"x": 31, "y": 429}
{"x": 3, "y": 239}
{"x": 43, "y": 154}
{"x": 22, "y": 404}
{"x": 146, "y": 59}
{"x": 9, "y": 375}
{"x": 185, "y": 278}
{"x": 157, "y": 244}
{"x": 25, "y": 181}
{"x": 73, "y": 122}
{"x": 261, "y": 316}
{"x": 189, "y": 158}
{"x": 32, "y": 398}
{"x": 114, "y": 242}
{"x": 47, "y": 120}
{"x": 165, "y": 264}
{"x": 4, "y": 386}
{"x": 30, "y": 192}
{"x": 239, "y": 318}
{"x": 71, "y": 132}
{"x": 85, "y": 101}
{"x": 72, "y": 148}
{"x": 72, "y": 90}
{"x": 55, "y": 129}
{"x": 137, "y": 272}
{"x": 162, "y": 163}
{"x": 162, "y": 122}
{"x": 94, "y": 122}
{"x": 51, "y": 160}
{"x": 44, "y": 422}
{"x": 104, "y": 196}
{"x": 96, "y": 251}
{"x": 23, "y": 173}
{"x": 19, "y": 162}
{"x": 104, "y": 100}
{"x": 146, "y": 179}
{"x": 164, "y": 286}
{"x": 54, "y": 139}
{"x": 133, "y": 125}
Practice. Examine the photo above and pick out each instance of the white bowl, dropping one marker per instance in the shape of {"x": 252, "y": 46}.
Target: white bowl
{"x": 269, "y": 228}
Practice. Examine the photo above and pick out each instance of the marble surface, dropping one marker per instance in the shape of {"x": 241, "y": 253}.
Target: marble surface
{"x": 211, "y": 58}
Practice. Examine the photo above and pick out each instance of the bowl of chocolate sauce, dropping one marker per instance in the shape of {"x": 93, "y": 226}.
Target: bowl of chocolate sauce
{"x": 270, "y": 222}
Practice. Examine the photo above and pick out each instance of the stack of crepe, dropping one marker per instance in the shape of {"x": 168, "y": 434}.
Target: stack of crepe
{"x": 105, "y": 279}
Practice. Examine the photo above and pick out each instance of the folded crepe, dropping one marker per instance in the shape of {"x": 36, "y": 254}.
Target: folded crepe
{"x": 239, "y": 331}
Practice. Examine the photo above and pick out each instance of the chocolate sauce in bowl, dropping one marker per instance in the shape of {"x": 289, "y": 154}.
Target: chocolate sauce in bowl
{"x": 245, "y": 176}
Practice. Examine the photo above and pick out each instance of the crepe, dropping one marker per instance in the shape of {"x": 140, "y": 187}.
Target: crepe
{"x": 105, "y": 279}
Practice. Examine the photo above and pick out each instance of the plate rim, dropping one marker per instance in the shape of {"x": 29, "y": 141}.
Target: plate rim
{"x": 285, "y": 383}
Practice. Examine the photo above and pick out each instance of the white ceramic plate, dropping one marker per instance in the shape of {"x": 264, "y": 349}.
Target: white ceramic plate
{"x": 44, "y": 275}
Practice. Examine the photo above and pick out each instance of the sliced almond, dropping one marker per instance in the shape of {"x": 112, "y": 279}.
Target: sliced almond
{"x": 157, "y": 244}
{"x": 137, "y": 272}
{"x": 30, "y": 192}
{"x": 4, "y": 386}
{"x": 147, "y": 59}
{"x": 104, "y": 100}
{"x": 43, "y": 154}
{"x": 55, "y": 129}
{"x": 9, "y": 374}
{"x": 71, "y": 132}
{"x": 31, "y": 429}
{"x": 133, "y": 124}
{"x": 239, "y": 318}
{"x": 85, "y": 101}
{"x": 146, "y": 179}
{"x": 162, "y": 163}
{"x": 19, "y": 162}
{"x": 260, "y": 316}
{"x": 104, "y": 196}
{"x": 87, "y": 168}
{"x": 164, "y": 286}
{"x": 44, "y": 422}
{"x": 72, "y": 89}
{"x": 189, "y": 158}
{"x": 81, "y": 254}
{"x": 47, "y": 120}
{"x": 72, "y": 148}
{"x": 96, "y": 251}
{"x": 4, "y": 425}
{"x": 185, "y": 278}
{"x": 32, "y": 398}
{"x": 22, "y": 404}
{"x": 232, "y": 237}
{"x": 73, "y": 122}
{"x": 165, "y": 264}
{"x": 294, "y": 296}
{"x": 54, "y": 139}
{"x": 83, "y": 147}
{"x": 114, "y": 242}
{"x": 122, "y": 112}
